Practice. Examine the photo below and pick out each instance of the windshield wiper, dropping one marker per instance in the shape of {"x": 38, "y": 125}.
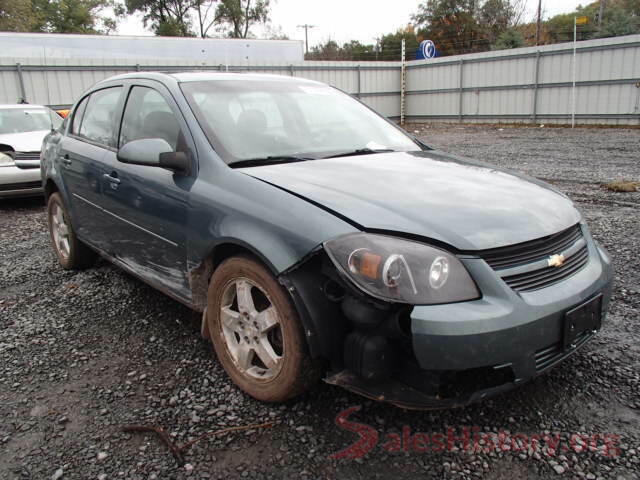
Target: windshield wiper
{"x": 361, "y": 151}
{"x": 270, "y": 160}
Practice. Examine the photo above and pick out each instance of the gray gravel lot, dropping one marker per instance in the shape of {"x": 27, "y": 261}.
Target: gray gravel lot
{"x": 83, "y": 353}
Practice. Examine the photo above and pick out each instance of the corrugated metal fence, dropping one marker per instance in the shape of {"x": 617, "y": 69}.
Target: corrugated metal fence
{"x": 522, "y": 85}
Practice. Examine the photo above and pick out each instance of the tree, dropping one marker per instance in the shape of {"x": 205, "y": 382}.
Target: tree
{"x": 236, "y": 16}
{"x": 18, "y": 16}
{"x": 510, "y": 39}
{"x": 205, "y": 13}
{"x": 354, "y": 50}
{"x": 621, "y": 17}
{"x": 59, "y": 16}
{"x": 329, "y": 50}
{"x": 465, "y": 26}
{"x": 166, "y": 17}
{"x": 451, "y": 25}
{"x": 618, "y": 21}
{"x": 390, "y": 45}
{"x": 495, "y": 17}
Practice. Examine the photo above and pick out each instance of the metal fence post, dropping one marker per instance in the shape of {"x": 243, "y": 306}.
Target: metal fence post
{"x": 358, "y": 71}
{"x": 291, "y": 70}
{"x": 23, "y": 92}
{"x": 460, "y": 91}
{"x": 403, "y": 84}
{"x": 534, "y": 109}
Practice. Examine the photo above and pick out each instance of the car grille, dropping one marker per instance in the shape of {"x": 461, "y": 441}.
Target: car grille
{"x": 536, "y": 279}
{"x": 7, "y": 187}
{"x": 522, "y": 253}
{"x": 507, "y": 258}
{"x": 549, "y": 356}
{"x": 26, "y": 156}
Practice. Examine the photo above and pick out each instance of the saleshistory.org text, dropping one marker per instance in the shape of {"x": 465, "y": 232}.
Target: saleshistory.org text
{"x": 469, "y": 439}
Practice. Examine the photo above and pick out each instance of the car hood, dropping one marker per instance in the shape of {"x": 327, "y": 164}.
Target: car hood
{"x": 469, "y": 205}
{"x": 25, "y": 141}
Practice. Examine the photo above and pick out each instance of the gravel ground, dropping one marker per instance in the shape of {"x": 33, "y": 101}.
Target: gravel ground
{"x": 83, "y": 353}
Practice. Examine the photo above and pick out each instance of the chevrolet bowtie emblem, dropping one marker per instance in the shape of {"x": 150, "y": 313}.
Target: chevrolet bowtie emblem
{"x": 555, "y": 260}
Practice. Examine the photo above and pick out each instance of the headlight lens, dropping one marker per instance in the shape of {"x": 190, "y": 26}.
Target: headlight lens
{"x": 400, "y": 270}
{"x": 6, "y": 160}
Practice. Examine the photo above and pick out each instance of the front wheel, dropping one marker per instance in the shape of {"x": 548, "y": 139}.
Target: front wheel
{"x": 256, "y": 332}
{"x": 71, "y": 252}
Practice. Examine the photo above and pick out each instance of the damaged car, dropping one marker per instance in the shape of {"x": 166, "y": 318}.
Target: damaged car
{"x": 321, "y": 241}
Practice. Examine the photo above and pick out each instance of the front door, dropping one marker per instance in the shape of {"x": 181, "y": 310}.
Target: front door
{"x": 149, "y": 204}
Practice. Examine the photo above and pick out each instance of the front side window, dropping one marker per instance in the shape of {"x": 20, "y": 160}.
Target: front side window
{"x": 148, "y": 115}
{"x": 257, "y": 119}
{"x": 28, "y": 119}
{"x": 98, "y": 121}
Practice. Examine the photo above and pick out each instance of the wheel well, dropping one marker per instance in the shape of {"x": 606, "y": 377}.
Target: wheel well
{"x": 199, "y": 277}
{"x": 227, "y": 250}
{"x": 49, "y": 188}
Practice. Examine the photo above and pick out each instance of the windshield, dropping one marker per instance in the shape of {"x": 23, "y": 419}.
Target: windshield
{"x": 18, "y": 120}
{"x": 252, "y": 119}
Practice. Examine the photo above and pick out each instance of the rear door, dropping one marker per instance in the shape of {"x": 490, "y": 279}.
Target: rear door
{"x": 149, "y": 204}
{"x": 85, "y": 155}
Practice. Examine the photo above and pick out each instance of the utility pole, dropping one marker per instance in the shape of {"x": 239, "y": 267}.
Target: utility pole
{"x": 601, "y": 13}
{"x": 538, "y": 23}
{"x": 306, "y": 27}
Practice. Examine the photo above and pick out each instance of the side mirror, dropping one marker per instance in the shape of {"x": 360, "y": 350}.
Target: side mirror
{"x": 154, "y": 152}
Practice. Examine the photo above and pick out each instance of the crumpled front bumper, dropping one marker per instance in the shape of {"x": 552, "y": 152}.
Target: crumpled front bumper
{"x": 507, "y": 336}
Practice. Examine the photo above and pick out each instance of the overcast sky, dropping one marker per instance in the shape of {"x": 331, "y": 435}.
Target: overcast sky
{"x": 344, "y": 20}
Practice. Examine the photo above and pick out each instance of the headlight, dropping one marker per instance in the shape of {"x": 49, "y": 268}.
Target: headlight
{"x": 6, "y": 160}
{"x": 401, "y": 270}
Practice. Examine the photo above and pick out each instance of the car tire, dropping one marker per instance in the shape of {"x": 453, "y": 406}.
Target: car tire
{"x": 71, "y": 252}
{"x": 256, "y": 333}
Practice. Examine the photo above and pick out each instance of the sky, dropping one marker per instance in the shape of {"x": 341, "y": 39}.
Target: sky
{"x": 344, "y": 20}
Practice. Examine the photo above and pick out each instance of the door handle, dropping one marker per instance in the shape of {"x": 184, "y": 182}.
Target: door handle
{"x": 113, "y": 180}
{"x": 66, "y": 160}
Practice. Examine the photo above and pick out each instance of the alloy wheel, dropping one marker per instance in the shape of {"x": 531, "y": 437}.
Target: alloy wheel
{"x": 251, "y": 329}
{"x": 60, "y": 231}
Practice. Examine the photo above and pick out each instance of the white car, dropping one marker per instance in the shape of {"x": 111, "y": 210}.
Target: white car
{"x": 22, "y": 129}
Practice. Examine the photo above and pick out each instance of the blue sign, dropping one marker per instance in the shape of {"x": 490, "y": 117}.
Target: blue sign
{"x": 427, "y": 50}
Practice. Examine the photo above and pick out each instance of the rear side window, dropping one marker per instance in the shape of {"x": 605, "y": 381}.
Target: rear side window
{"x": 77, "y": 116}
{"x": 98, "y": 121}
{"x": 148, "y": 115}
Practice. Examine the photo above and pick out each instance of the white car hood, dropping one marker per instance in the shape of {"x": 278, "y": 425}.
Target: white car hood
{"x": 25, "y": 141}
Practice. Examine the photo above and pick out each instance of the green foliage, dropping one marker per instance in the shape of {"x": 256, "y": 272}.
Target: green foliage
{"x": 621, "y": 17}
{"x": 58, "y": 16}
{"x": 464, "y": 26}
{"x": 172, "y": 28}
{"x": 235, "y": 17}
{"x": 165, "y": 17}
{"x": 560, "y": 28}
{"x": 620, "y": 21}
{"x": 18, "y": 16}
{"x": 450, "y": 24}
{"x": 509, "y": 39}
{"x": 390, "y": 45}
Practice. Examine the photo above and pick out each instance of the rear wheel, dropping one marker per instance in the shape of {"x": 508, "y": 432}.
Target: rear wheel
{"x": 71, "y": 252}
{"x": 256, "y": 332}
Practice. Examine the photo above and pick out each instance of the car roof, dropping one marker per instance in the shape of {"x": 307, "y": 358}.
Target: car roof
{"x": 7, "y": 106}
{"x": 182, "y": 77}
